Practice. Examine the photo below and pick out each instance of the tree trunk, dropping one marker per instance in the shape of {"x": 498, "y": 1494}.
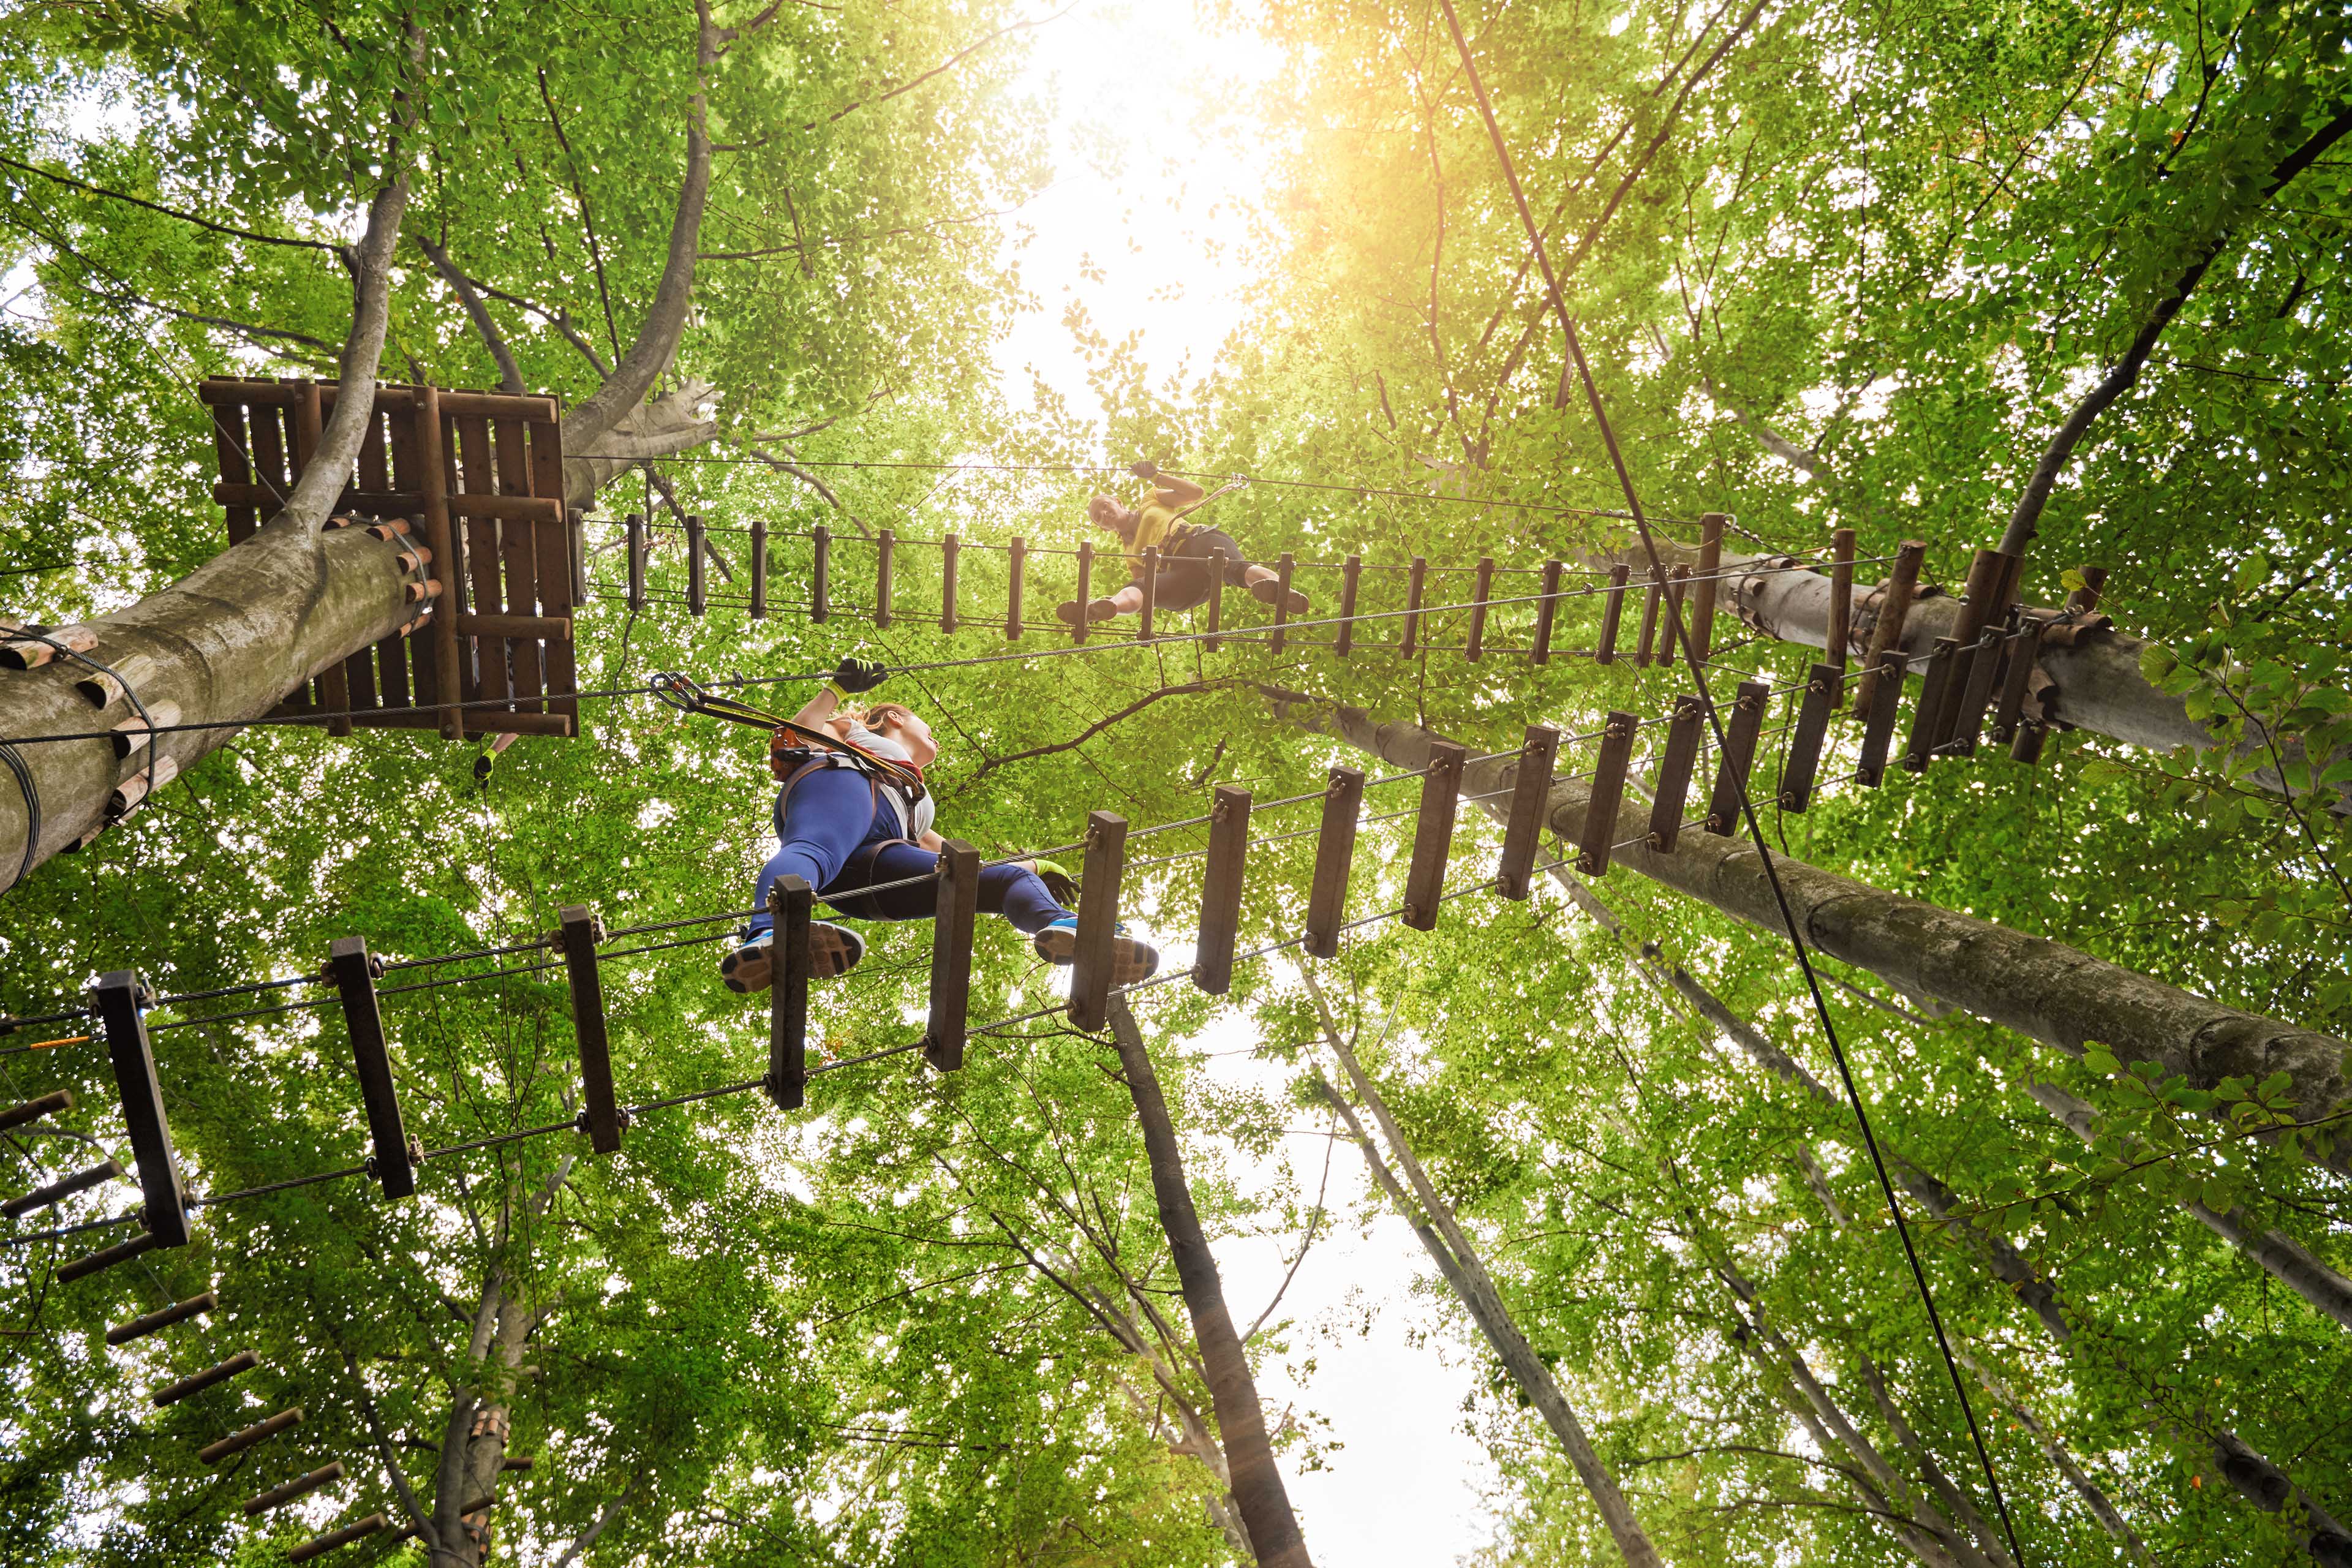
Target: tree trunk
{"x": 2094, "y": 1497}
{"x": 2041, "y": 989}
{"x": 2096, "y": 681}
{"x": 1258, "y": 1488}
{"x": 227, "y": 643}
{"x": 1458, "y": 1261}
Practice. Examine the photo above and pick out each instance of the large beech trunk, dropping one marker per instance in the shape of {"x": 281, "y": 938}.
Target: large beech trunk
{"x": 2099, "y": 684}
{"x": 227, "y": 643}
{"x": 1257, "y": 1488}
{"x": 2042, "y": 989}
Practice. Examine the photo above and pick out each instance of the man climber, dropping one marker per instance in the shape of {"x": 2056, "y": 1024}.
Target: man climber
{"x": 1187, "y": 553}
{"x": 856, "y": 815}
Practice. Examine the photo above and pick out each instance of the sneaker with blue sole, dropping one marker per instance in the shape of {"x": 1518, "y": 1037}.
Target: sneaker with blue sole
{"x": 1131, "y": 958}
{"x": 833, "y": 950}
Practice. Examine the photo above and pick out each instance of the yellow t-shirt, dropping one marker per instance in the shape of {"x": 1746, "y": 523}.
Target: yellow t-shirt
{"x": 1155, "y": 527}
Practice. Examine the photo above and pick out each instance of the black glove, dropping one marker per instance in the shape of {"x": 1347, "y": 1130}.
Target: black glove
{"x": 1144, "y": 468}
{"x": 853, "y": 676}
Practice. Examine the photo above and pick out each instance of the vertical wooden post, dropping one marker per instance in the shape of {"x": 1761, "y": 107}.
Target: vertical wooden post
{"x": 1967, "y": 705}
{"x": 433, "y": 465}
{"x": 1413, "y": 581}
{"x": 1739, "y": 754}
{"x": 1531, "y": 796}
{"x": 1805, "y": 741}
{"x": 951, "y": 1009}
{"x": 1644, "y": 648}
{"x": 1841, "y": 628}
{"x": 1019, "y": 559}
{"x": 1710, "y": 566}
{"x": 1986, "y": 569}
{"x": 949, "y": 549}
{"x": 698, "y": 586}
{"x": 2084, "y": 600}
{"x": 1106, "y": 862}
{"x": 1677, "y": 589}
{"x": 820, "y": 573}
{"x": 1894, "y": 608}
{"x": 1432, "y": 835}
{"x": 1878, "y": 719}
{"x": 1672, "y": 793}
{"x": 1220, "y": 889}
{"x": 636, "y": 546}
{"x": 1218, "y": 566}
{"x": 885, "y": 546}
{"x": 759, "y": 568}
{"x": 1608, "y": 792}
{"x": 1085, "y": 588}
{"x": 1284, "y": 566}
{"x": 119, "y": 1001}
{"x": 1919, "y": 747}
{"x": 1350, "y": 570}
{"x": 1476, "y": 642}
{"x": 1335, "y": 855}
{"x": 1612, "y": 613}
{"x": 353, "y": 974}
{"x": 1546, "y": 611}
{"x": 578, "y": 933}
{"x": 2024, "y": 648}
{"x": 1151, "y": 586}
{"x": 790, "y": 903}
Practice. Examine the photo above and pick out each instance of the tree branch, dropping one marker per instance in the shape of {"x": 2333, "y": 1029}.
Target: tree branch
{"x": 230, "y": 230}
{"x": 509, "y": 375}
{"x": 1190, "y": 687}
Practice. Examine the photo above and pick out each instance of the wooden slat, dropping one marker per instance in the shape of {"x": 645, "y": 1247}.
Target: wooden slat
{"x": 375, "y": 470}
{"x": 359, "y": 1529}
{"x": 118, "y": 999}
{"x": 2026, "y": 749}
{"x": 259, "y": 1432}
{"x": 1612, "y": 613}
{"x": 1218, "y": 565}
{"x": 268, "y": 453}
{"x": 1919, "y": 747}
{"x": 1894, "y": 609}
{"x": 698, "y": 583}
{"x": 444, "y": 673}
{"x": 950, "y": 548}
{"x": 220, "y": 1371}
{"x": 1748, "y": 709}
{"x": 82, "y": 1268}
{"x": 1606, "y": 794}
{"x": 1334, "y": 854}
{"x": 477, "y": 505}
{"x": 759, "y": 569}
{"x": 1283, "y": 568}
{"x": 1878, "y": 724}
{"x": 1482, "y": 591}
{"x": 951, "y": 933}
{"x": 519, "y": 405}
{"x": 2024, "y": 649}
{"x": 1530, "y": 801}
{"x": 1351, "y": 571}
{"x": 2084, "y": 600}
{"x": 1220, "y": 889}
{"x": 41, "y": 1197}
{"x": 162, "y": 1318}
{"x": 1151, "y": 586}
{"x": 57, "y": 1103}
{"x": 1966, "y": 721}
{"x": 1432, "y": 835}
{"x": 1546, "y": 613}
{"x": 1822, "y": 688}
{"x": 1986, "y": 569}
{"x": 1670, "y": 795}
{"x": 886, "y": 550}
{"x": 820, "y": 573}
{"x": 301, "y": 1486}
{"x": 635, "y": 547}
{"x": 791, "y": 904}
{"x": 1106, "y": 863}
{"x": 1669, "y": 632}
{"x": 1085, "y": 587}
{"x": 1019, "y": 565}
{"x": 548, "y": 628}
{"x": 229, "y": 449}
{"x": 1416, "y": 579}
{"x": 485, "y": 676}
{"x": 353, "y": 974}
{"x": 558, "y": 558}
{"x": 579, "y": 934}
{"x": 1703, "y": 599}
{"x": 334, "y": 698}
{"x": 1644, "y": 648}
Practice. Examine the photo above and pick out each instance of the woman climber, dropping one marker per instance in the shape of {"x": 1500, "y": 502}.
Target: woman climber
{"x": 859, "y": 815}
{"x": 1187, "y": 553}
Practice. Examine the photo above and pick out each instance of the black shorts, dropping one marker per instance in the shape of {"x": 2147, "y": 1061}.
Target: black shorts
{"x": 1183, "y": 579}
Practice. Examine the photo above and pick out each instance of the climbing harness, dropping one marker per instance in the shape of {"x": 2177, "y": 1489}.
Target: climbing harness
{"x": 793, "y": 750}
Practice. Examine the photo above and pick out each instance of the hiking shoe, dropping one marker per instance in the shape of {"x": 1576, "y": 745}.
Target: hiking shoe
{"x": 833, "y": 950}
{"x": 1265, "y": 590}
{"x": 1131, "y": 958}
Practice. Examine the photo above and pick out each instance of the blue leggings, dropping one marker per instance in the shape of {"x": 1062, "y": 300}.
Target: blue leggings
{"x": 832, "y": 814}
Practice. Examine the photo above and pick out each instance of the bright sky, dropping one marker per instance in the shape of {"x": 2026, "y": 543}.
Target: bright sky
{"x": 1152, "y": 111}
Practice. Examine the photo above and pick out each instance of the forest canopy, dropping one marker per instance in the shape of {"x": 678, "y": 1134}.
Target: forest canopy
{"x": 1942, "y": 1163}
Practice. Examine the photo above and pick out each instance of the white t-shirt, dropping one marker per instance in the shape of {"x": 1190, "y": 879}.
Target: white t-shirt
{"x": 926, "y": 809}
